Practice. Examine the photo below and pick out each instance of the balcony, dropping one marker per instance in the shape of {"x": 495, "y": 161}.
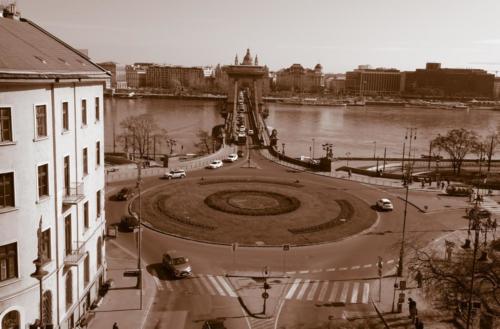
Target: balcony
{"x": 73, "y": 194}
{"x": 75, "y": 255}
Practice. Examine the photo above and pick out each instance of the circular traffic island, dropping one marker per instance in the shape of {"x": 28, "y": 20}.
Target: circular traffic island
{"x": 254, "y": 211}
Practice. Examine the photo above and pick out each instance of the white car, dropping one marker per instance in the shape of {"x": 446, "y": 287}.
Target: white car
{"x": 215, "y": 164}
{"x": 385, "y": 204}
{"x": 176, "y": 173}
{"x": 250, "y": 132}
{"x": 232, "y": 157}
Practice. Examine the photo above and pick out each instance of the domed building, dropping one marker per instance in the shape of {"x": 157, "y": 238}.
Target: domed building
{"x": 247, "y": 60}
{"x": 296, "y": 78}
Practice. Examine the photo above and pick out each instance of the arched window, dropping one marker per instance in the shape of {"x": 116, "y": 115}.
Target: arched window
{"x": 99, "y": 252}
{"x": 47, "y": 307}
{"x": 69, "y": 290}
{"x": 11, "y": 320}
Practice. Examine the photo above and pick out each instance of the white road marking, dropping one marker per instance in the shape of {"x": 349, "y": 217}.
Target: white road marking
{"x": 354, "y": 292}
{"x": 293, "y": 288}
{"x": 291, "y": 272}
{"x": 304, "y": 271}
{"x": 228, "y": 288}
{"x": 390, "y": 261}
{"x": 343, "y": 269}
{"x": 367, "y": 265}
{"x": 207, "y": 285}
{"x": 314, "y": 287}
{"x": 322, "y": 291}
{"x": 317, "y": 271}
{"x": 330, "y": 269}
{"x": 366, "y": 293}
{"x": 343, "y": 294}
{"x": 214, "y": 283}
{"x": 333, "y": 293}
{"x": 355, "y": 267}
{"x": 305, "y": 284}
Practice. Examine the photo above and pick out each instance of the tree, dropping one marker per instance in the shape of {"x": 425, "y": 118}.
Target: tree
{"x": 457, "y": 143}
{"x": 205, "y": 141}
{"x": 138, "y": 132}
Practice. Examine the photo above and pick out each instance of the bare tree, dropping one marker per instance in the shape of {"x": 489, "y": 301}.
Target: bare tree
{"x": 205, "y": 141}
{"x": 458, "y": 143}
{"x": 138, "y": 133}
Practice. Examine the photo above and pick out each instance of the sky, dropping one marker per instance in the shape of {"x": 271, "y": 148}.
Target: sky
{"x": 339, "y": 34}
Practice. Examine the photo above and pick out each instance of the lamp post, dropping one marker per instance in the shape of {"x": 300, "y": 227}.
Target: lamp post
{"x": 39, "y": 271}
{"x": 139, "y": 234}
{"x": 402, "y": 249}
{"x": 374, "y": 149}
{"x": 347, "y": 155}
{"x": 313, "y": 148}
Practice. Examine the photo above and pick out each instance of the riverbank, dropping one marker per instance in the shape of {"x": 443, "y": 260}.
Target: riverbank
{"x": 139, "y": 94}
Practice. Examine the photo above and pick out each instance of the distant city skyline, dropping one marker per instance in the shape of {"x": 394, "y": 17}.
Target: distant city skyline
{"x": 338, "y": 34}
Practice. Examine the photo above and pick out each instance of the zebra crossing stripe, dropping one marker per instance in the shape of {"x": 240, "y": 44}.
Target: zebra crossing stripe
{"x": 354, "y": 292}
{"x": 322, "y": 291}
{"x": 226, "y": 286}
{"x": 305, "y": 284}
{"x": 292, "y": 289}
{"x": 207, "y": 285}
{"x": 314, "y": 287}
{"x": 343, "y": 294}
{"x": 366, "y": 293}
{"x": 333, "y": 293}
{"x": 214, "y": 283}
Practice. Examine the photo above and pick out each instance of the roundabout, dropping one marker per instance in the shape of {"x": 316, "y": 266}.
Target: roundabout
{"x": 254, "y": 211}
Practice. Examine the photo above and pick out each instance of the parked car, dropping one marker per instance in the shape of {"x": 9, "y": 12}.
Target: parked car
{"x": 176, "y": 264}
{"x": 232, "y": 157}
{"x": 385, "y": 204}
{"x": 215, "y": 164}
{"x": 128, "y": 223}
{"x": 125, "y": 194}
{"x": 176, "y": 173}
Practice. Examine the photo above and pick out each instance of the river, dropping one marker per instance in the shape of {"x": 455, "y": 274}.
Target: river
{"x": 361, "y": 131}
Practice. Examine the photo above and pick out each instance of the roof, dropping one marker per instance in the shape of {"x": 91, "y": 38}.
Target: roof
{"x": 28, "y": 51}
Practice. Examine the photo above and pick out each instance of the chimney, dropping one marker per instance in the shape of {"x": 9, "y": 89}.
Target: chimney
{"x": 11, "y": 11}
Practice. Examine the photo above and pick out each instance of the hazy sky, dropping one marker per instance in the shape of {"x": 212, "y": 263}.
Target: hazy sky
{"x": 340, "y": 34}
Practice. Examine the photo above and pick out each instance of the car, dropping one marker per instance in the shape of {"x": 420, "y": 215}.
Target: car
{"x": 176, "y": 173}
{"x": 125, "y": 193}
{"x": 232, "y": 157}
{"x": 176, "y": 264}
{"x": 250, "y": 132}
{"x": 215, "y": 164}
{"x": 385, "y": 204}
{"x": 128, "y": 223}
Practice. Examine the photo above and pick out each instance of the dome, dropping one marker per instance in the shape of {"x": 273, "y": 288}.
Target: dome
{"x": 318, "y": 67}
{"x": 248, "y": 58}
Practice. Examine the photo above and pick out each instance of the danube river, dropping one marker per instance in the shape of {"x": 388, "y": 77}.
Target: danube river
{"x": 361, "y": 131}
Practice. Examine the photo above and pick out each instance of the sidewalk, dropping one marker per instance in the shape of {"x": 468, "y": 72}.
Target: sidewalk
{"x": 122, "y": 302}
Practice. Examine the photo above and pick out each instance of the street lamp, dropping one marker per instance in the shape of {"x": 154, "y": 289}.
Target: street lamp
{"x": 402, "y": 250}
{"x": 313, "y": 148}
{"x": 39, "y": 271}
{"x": 347, "y": 155}
{"x": 139, "y": 233}
{"x": 374, "y": 149}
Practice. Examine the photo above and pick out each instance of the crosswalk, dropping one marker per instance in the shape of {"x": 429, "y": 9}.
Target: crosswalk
{"x": 491, "y": 205}
{"x": 261, "y": 323}
{"x": 347, "y": 292}
{"x": 199, "y": 284}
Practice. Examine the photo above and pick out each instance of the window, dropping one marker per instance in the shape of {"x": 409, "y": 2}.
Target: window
{"x": 11, "y": 320}
{"x": 86, "y": 214}
{"x": 84, "y": 112}
{"x": 43, "y": 180}
{"x": 66, "y": 175}
{"x": 46, "y": 252}
{"x": 41, "y": 121}
{"x": 6, "y": 190}
{"x": 98, "y": 153}
{"x": 8, "y": 261}
{"x": 97, "y": 109}
{"x": 65, "y": 116}
{"x": 86, "y": 271}
{"x": 99, "y": 252}
{"x": 69, "y": 290}
{"x": 85, "y": 161}
{"x": 67, "y": 235}
{"x": 5, "y": 125}
{"x": 98, "y": 204}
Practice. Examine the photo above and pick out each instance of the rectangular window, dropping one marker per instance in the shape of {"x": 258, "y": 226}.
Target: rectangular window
{"x": 86, "y": 271}
{"x": 65, "y": 116}
{"x": 5, "y": 125}
{"x": 86, "y": 214}
{"x": 66, "y": 175}
{"x": 98, "y": 153}
{"x": 41, "y": 121}
{"x": 46, "y": 252}
{"x": 7, "y": 190}
{"x": 8, "y": 261}
{"x": 97, "y": 109}
{"x": 84, "y": 112}
{"x": 67, "y": 235}
{"x": 98, "y": 203}
{"x": 43, "y": 180}
{"x": 85, "y": 161}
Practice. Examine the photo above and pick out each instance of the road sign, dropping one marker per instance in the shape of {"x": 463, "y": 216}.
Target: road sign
{"x": 234, "y": 246}
{"x": 265, "y": 295}
{"x": 286, "y": 247}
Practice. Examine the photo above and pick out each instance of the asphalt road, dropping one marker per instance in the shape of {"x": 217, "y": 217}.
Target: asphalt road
{"x": 302, "y": 279}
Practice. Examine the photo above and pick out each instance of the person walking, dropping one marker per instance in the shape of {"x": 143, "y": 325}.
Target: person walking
{"x": 412, "y": 309}
{"x": 115, "y": 326}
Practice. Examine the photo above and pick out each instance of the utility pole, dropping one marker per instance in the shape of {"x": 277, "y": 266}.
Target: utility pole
{"x": 402, "y": 250}
{"x": 490, "y": 153}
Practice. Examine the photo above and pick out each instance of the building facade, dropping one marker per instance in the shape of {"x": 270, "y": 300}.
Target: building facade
{"x": 365, "y": 81}
{"x": 449, "y": 82}
{"x": 135, "y": 75}
{"x": 111, "y": 68}
{"x": 174, "y": 77}
{"x": 496, "y": 88}
{"x": 51, "y": 177}
{"x": 296, "y": 78}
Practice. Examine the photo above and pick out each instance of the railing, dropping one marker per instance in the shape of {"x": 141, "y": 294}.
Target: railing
{"x": 74, "y": 193}
{"x": 75, "y": 255}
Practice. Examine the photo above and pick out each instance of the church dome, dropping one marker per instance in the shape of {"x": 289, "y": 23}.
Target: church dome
{"x": 318, "y": 67}
{"x": 247, "y": 60}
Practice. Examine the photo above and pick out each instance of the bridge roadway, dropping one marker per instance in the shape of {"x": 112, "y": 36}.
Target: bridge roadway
{"x": 301, "y": 279}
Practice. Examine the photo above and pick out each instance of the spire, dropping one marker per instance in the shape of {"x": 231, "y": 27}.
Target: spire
{"x": 256, "y": 60}
{"x": 236, "y": 59}
{"x": 248, "y": 58}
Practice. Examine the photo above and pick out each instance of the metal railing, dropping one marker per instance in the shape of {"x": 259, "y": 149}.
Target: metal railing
{"x": 73, "y": 193}
{"x": 75, "y": 255}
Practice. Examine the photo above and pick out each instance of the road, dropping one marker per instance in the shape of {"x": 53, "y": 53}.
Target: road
{"x": 307, "y": 283}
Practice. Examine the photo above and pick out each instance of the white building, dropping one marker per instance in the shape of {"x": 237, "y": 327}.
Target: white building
{"x": 51, "y": 170}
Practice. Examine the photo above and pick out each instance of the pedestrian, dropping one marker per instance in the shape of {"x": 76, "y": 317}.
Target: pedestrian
{"x": 442, "y": 185}
{"x": 412, "y": 309}
{"x": 115, "y": 326}
{"x": 423, "y": 183}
